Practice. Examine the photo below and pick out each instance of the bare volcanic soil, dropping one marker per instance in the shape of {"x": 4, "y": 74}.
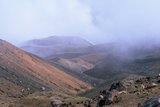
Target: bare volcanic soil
{"x": 22, "y": 73}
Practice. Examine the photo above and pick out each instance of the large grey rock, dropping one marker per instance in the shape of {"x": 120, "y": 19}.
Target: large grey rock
{"x": 110, "y": 98}
{"x": 153, "y": 102}
{"x": 56, "y": 103}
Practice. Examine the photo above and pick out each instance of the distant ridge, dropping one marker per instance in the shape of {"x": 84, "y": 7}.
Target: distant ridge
{"x": 55, "y": 45}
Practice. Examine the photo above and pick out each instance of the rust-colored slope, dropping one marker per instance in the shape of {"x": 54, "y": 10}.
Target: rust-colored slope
{"x": 80, "y": 63}
{"x": 77, "y": 65}
{"x": 27, "y": 70}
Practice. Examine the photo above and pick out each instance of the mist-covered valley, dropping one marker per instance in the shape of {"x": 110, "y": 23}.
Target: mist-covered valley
{"x": 79, "y": 53}
{"x": 67, "y": 70}
{"x": 98, "y": 64}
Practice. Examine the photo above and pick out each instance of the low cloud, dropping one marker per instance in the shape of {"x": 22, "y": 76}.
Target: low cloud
{"x": 131, "y": 21}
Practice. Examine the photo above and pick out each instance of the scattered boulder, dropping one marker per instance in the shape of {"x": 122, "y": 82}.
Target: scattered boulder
{"x": 101, "y": 102}
{"x": 87, "y": 104}
{"x": 112, "y": 97}
{"x": 128, "y": 82}
{"x": 23, "y": 90}
{"x": 151, "y": 85}
{"x": 158, "y": 75}
{"x": 56, "y": 103}
{"x": 109, "y": 98}
{"x": 43, "y": 88}
{"x": 142, "y": 86}
{"x": 28, "y": 89}
{"x": 144, "y": 80}
{"x": 104, "y": 92}
{"x": 122, "y": 92}
{"x": 119, "y": 86}
{"x": 20, "y": 81}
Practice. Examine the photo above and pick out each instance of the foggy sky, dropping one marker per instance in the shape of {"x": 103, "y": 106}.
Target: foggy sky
{"x": 129, "y": 21}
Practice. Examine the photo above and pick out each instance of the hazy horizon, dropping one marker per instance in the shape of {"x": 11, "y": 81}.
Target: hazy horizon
{"x": 133, "y": 22}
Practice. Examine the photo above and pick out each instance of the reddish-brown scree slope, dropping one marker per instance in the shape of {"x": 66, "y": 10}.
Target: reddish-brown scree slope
{"x": 22, "y": 70}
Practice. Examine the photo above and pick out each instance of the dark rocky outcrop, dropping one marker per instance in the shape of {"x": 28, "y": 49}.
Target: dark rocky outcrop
{"x": 142, "y": 88}
{"x": 119, "y": 86}
{"x": 153, "y": 102}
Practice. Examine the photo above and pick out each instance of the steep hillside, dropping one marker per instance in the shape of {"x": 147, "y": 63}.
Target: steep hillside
{"x": 111, "y": 62}
{"x": 27, "y": 73}
{"x": 55, "y": 45}
{"x": 76, "y": 64}
{"x": 86, "y": 60}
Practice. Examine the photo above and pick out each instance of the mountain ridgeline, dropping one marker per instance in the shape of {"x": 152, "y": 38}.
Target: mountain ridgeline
{"x": 55, "y": 45}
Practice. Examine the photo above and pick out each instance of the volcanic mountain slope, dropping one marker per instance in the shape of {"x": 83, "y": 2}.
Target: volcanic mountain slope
{"x": 107, "y": 61}
{"x": 73, "y": 53}
{"x": 22, "y": 72}
{"x": 112, "y": 64}
{"x": 55, "y": 45}
{"x": 84, "y": 60}
{"x": 69, "y": 54}
{"x": 76, "y": 64}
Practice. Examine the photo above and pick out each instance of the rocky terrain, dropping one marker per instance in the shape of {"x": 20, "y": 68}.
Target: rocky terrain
{"x": 131, "y": 93}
